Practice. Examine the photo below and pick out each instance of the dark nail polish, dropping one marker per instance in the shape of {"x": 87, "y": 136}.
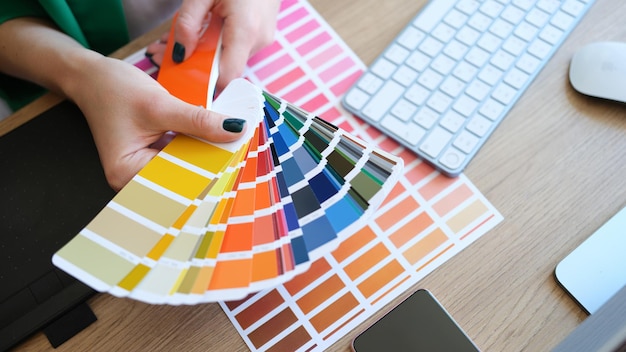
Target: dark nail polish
{"x": 233, "y": 125}
{"x": 178, "y": 53}
{"x": 151, "y": 59}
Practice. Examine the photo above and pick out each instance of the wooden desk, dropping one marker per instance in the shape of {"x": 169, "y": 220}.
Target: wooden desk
{"x": 554, "y": 168}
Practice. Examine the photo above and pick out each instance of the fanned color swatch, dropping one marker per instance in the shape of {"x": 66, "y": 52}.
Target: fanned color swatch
{"x": 203, "y": 222}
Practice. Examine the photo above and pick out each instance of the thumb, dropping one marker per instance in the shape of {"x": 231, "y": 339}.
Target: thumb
{"x": 188, "y": 27}
{"x": 180, "y": 116}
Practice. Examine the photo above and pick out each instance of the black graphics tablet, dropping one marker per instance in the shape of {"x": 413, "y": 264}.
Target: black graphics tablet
{"x": 51, "y": 186}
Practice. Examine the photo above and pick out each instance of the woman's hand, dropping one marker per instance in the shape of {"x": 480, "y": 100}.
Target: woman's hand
{"x": 128, "y": 112}
{"x": 126, "y": 109}
{"x": 249, "y": 25}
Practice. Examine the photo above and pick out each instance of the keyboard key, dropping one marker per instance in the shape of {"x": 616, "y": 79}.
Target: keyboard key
{"x": 452, "y": 158}
{"x": 465, "y": 105}
{"x": 452, "y": 121}
{"x": 405, "y": 76}
{"x": 356, "y": 99}
{"x": 491, "y": 8}
{"x": 524, "y": 4}
{"x": 514, "y": 45}
{"x": 383, "y": 100}
{"x": 431, "y": 46}
{"x": 396, "y": 54}
{"x": 411, "y": 37}
{"x": 439, "y": 102}
{"x": 410, "y": 133}
{"x": 465, "y": 71}
{"x": 549, "y": 6}
{"x": 432, "y": 14}
{"x": 537, "y": 18}
{"x": 456, "y": 50}
{"x": 513, "y": 14}
{"x": 503, "y": 60}
{"x": 443, "y": 32}
{"x": 540, "y": 49}
{"x": 573, "y": 7}
{"x": 452, "y": 86}
{"x": 477, "y": 56}
{"x": 491, "y": 109}
{"x": 443, "y": 64}
{"x": 490, "y": 74}
{"x": 426, "y": 117}
{"x": 434, "y": 143}
{"x": 430, "y": 79}
{"x": 417, "y": 94}
{"x": 478, "y": 89}
{"x": 480, "y": 22}
{"x": 478, "y": 125}
{"x": 466, "y": 142}
{"x": 526, "y": 31}
{"x": 468, "y": 36}
{"x": 489, "y": 42}
{"x": 528, "y": 64}
{"x": 504, "y": 93}
{"x": 418, "y": 61}
{"x": 403, "y": 110}
{"x": 551, "y": 34}
{"x": 383, "y": 68}
{"x": 468, "y": 6}
{"x": 562, "y": 20}
{"x": 516, "y": 78}
{"x": 455, "y": 18}
{"x": 501, "y": 28}
{"x": 370, "y": 83}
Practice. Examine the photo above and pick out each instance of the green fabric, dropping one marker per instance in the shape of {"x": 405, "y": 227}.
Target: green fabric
{"x": 96, "y": 24}
{"x": 10, "y": 9}
{"x": 61, "y": 14}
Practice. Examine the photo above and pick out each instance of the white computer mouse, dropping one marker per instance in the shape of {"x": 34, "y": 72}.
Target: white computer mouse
{"x": 599, "y": 70}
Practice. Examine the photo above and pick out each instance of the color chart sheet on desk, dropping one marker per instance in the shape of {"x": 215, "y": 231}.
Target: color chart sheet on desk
{"x": 424, "y": 221}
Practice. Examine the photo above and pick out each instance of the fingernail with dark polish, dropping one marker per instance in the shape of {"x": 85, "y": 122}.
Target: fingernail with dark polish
{"x": 151, "y": 59}
{"x": 178, "y": 54}
{"x": 233, "y": 125}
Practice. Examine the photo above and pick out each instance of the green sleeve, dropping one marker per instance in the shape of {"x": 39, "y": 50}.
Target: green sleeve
{"x": 98, "y": 25}
{"x": 10, "y": 9}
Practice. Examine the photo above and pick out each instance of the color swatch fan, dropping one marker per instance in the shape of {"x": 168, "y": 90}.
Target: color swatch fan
{"x": 205, "y": 222}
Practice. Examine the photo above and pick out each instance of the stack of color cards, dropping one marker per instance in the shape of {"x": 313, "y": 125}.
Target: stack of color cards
{"x": 205, "y": 222}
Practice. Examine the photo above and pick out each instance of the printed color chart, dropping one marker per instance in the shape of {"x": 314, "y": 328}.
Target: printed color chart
{"x": 426, "y": 219}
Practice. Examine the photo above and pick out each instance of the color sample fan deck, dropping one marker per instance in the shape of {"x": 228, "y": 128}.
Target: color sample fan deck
{"x": 205, "y": 222}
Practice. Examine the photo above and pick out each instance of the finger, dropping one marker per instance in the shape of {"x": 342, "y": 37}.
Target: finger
{"x": 237, "y": 46}
{"x": 155, "y": 52}
{"x": 244, "y": 33}
{"x": 188, "y": 26}
{"x": 232, "y": 64}
{"x": 159, "y": 44}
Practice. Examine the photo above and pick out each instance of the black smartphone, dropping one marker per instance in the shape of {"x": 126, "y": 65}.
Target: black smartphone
{"x": 419, "y": 323}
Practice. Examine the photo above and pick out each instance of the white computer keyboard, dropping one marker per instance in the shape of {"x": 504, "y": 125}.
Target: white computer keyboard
{"x": 449, "y": 78}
